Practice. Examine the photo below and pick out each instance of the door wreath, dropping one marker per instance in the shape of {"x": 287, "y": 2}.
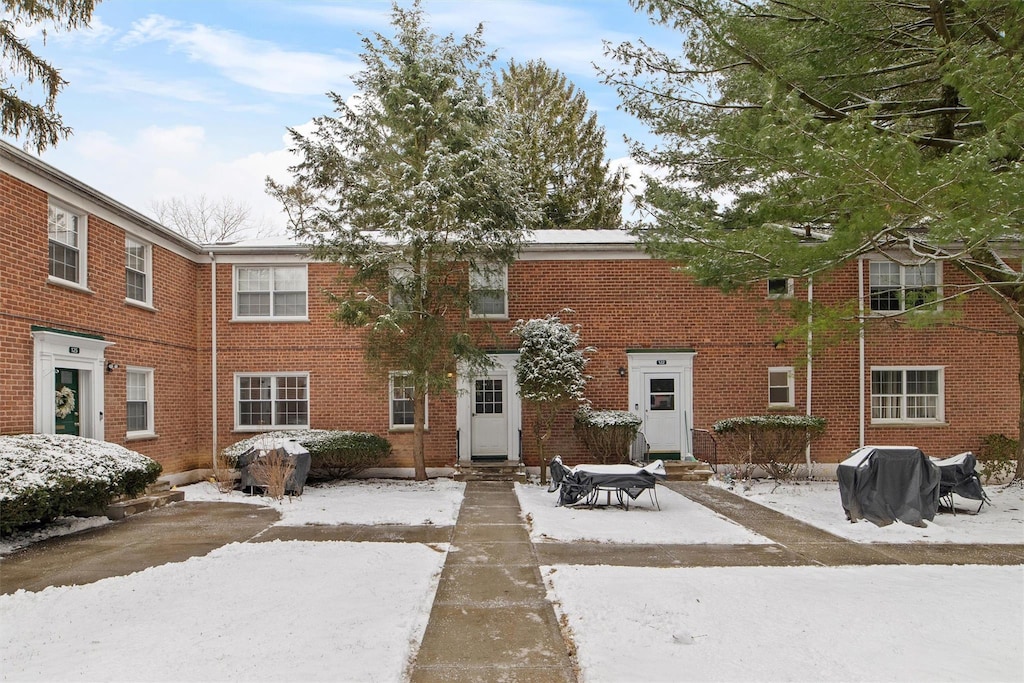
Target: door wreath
{"x": 65, "y": 401}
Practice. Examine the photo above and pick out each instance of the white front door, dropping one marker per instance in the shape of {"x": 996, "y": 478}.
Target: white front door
{"x": 661, "y": 395}
{"x": 489, "y": 423}
{"x": 663, "y": 424}
{"x": 488, "y": 412}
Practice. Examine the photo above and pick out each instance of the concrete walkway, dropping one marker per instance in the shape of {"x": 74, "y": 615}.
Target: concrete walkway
{"x": 490, "y": 618}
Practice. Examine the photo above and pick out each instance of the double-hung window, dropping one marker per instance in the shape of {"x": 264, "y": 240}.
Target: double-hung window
{"x": 780, "y": 388}
{"x": 907, "y": 394}
{"x": 488, "y": 288}
{"x": 139, "y": 394}
{"x": 271, "y": 400}
{"x": 896, "y": 288}
{"x": 400, "y": 403}
{"x": 270, "y": 292}
{"x": 138, "y": 266}
{"x": 66, "y": 229}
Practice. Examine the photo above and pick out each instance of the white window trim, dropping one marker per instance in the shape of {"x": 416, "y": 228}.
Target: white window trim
{"x": 940, "y": 404}
{"x": 504, "y": 290}
{"x": 83, "y": 247}
{"x": 391, "y": 405}
{"x": 903, "y": 287}
{"x": 236, "y": 318}
{"x": 772, "y": 295}
{"x": 150, "y": 394}
{"x": 148, "y": 248}
{"x": 270, "y": 427}
{"x": 791, "y": 403}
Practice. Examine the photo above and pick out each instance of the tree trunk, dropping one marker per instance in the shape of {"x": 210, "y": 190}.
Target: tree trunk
{"x": 419, "y": 411}
{"x": 539, "y": 438}
{"x": 1018, "y": 476}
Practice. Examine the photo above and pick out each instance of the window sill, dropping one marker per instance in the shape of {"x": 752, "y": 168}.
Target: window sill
{"x": 406, "y": 430}
{"x": 140, "y": 436}
{"x": 68, "y": 284}
{"x": 495, "y": 317}
{"x": 781, "y": 406}
{"x": 909, "y": 423}
{"x": 268, "y": 428}
{"x": 140, "y": 304}
{"x": 269, "y": 320}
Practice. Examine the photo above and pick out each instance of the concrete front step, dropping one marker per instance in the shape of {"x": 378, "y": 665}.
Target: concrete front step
{"x": 500, "y": 470}
{"x": 127, "y": 508}
{"x": 683, "y": 470}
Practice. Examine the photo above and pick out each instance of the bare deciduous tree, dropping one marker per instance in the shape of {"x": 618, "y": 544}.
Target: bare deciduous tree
{"x": 207, "y": 221}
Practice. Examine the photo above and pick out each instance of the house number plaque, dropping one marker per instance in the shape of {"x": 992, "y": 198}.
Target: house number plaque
{"x": 73, "y": 349}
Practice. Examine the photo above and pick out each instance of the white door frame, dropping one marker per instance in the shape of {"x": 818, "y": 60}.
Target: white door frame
{"x": 53, "y": 349}
{"x": 504, "y": 363}
{"x": 645, "y": 361}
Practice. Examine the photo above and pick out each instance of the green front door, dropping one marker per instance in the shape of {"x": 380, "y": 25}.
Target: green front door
{"x": 67, "y": 401}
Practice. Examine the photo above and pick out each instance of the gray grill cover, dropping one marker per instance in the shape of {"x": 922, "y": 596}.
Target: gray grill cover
{"x": 294, "y": 451}
{"x": 883, "y": 484}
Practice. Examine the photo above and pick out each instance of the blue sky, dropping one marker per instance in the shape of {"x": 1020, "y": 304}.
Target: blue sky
{"x": 181, "y": 97}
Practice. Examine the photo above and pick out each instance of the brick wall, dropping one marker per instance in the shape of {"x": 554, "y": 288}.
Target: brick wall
{"x": 621, "y": 304}
{"x": 163, "y": 339}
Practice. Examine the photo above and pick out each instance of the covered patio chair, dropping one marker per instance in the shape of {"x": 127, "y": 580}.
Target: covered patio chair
{"x": 959, "y": 477}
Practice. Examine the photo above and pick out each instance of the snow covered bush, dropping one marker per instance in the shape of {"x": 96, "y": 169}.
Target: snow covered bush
{"x": 607, "y": 434}
{"x": 45, "y": 476}
{"x": 333, "y": 454}
{"x": 549, "y": 372}
{"x": 774, "y": 442}
{"x": 997, "y": 458}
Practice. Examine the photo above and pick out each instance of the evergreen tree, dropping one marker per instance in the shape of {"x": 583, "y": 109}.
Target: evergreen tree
{"x": 886, "y": 126}
{"x": 41, "y": 124}
{"x": 560, "y": 147}
{"x": 549, "y": 372}
{"x": 409, "y": 187}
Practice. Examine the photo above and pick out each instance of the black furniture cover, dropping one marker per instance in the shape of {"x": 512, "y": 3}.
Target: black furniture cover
{"x": 580, "y": 483}
{"x": 883, "y": 484}
{"x": 292, "y": 449}
{"x": 958, "y": 476}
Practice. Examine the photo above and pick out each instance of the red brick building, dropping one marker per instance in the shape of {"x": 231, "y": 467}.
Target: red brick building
{"x": 99, "y": 299}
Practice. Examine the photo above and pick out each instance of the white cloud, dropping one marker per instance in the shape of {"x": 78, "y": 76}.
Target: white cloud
{"x": 157, "y": 163}
{"x": 254, "y": 63}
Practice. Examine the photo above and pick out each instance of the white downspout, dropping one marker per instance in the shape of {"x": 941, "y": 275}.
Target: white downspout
{"x": 810, "y": 363}
{"x": 213, "y": 357}
{"x": 860, "y": 334}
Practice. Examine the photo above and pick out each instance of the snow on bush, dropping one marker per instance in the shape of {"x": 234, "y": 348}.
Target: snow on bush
{"x": 45, "y": 476}
{"x": 334, "y": 454}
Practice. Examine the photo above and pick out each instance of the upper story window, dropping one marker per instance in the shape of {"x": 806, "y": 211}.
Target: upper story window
{"x": 780, "y": 288}
{"x": 138, "y": 266}
{"x": 400, "y": 288}
{"x": 780, "y": 387}
{"x": 907, "y": 395}
{"x": 67, "y": 238}
{"x": 274, "y": 292}
{"x": 271, "y": 400}
{"x": 488, "y": 289}
{"x": 140, "y": 402}
{"x": 896, "y": 288}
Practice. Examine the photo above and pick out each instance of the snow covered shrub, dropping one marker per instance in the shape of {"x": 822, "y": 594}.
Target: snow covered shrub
{"x": 997, "y": 458}
{"x": 333, "y": 454}
{"x": 774, "y": 442}
{"x": 607, "y": 434}
{"x": 45, "y": 476}
{"x": 549, "y": 372}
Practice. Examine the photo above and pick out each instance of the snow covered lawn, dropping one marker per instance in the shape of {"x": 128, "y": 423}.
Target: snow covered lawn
{"x": 818, "y": 504}
{"x": 680, "y": 520}
{"x": 281, "y": 611}
{"x": 882, "y": 623}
